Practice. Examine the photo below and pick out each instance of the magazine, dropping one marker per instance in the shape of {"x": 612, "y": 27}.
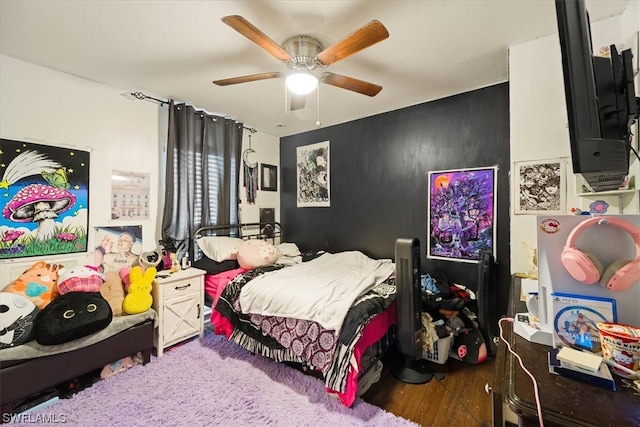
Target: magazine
{"x": 575, "y": 318}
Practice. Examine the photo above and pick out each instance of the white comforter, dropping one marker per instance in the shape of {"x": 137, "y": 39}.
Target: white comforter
{"x": 321, "y": 290}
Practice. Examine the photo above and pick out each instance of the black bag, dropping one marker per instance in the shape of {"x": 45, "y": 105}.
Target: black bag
{"x": 72, "y": 316}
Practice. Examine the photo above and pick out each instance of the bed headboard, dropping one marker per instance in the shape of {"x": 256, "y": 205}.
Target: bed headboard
{"x": 269, "y": 231}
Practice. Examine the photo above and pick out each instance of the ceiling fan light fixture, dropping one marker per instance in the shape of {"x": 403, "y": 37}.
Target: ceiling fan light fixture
{"x": 301, "y": 83}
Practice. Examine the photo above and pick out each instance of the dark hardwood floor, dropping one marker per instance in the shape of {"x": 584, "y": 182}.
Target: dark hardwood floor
{"x": 459, "y": 399}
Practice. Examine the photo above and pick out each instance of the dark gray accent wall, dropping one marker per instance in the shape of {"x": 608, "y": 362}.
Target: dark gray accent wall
{"x": 379, "y": 169}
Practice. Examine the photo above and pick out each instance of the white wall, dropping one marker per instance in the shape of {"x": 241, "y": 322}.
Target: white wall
{"x": 267, "y": 148}
{"x": 538, "y": 120}
{"x": 48, "y": 107}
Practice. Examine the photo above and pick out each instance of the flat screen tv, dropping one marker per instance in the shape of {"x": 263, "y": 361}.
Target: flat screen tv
{"x": 601, "y": 101}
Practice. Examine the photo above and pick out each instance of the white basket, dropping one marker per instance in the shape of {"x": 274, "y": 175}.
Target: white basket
{"x": 441, "y": 350}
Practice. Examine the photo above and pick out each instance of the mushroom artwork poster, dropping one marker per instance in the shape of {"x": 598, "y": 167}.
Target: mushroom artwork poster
{"x": 44, "y": 195}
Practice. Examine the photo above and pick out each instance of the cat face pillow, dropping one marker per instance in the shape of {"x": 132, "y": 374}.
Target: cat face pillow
{"x": 39, "y": 283}
{"x": 72, "y": 316}
{"x": 80, "y": 279}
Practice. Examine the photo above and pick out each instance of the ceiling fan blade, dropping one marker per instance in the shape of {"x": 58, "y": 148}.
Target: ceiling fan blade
{"x": 246, "y": 79}
{"x": 350, "y": 83}
{"x": 365, "y": 36}
{"x": 297, "y": 102}
{"x": 251, "y": 32}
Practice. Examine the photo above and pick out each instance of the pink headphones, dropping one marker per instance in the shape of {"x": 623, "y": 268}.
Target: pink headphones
{"x": 583, "y": 266}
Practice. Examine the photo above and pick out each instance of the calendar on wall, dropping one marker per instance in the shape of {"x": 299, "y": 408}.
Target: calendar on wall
{"x": 129, "y": 195}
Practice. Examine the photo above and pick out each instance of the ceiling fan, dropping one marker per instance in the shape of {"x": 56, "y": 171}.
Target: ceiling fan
{"x": 303, "y": 54}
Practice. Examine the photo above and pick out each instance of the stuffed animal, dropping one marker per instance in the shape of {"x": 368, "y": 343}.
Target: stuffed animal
{"x": 39, "y": 283}
{"x": 85, "y": 278}
{"x": 72, "y": 316}
{"x": 17, "y": 315}
{"x": 113, "y": 291}
{"x": 139, "y": 299}
{"x": 116, "y": 367}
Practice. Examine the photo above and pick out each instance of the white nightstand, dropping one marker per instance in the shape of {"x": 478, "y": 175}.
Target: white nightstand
{"x": 179, "y": 302}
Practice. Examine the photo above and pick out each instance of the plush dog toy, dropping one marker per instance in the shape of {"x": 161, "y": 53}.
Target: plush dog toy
{"x": 139, "y": 299}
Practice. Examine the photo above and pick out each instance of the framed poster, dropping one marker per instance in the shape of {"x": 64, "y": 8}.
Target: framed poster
{"x": 269, "y": 177}
{"x": 540, "y": 187}
{"x": 312, "y": 167}
{"x": 117, "y": 247}
{"x": 44, "y": 194}
{"x": 461, "y": 213}
{"x": 129, "y": 195}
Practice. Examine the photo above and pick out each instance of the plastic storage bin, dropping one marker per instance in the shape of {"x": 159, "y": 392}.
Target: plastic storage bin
{"x": 441, "y": 350}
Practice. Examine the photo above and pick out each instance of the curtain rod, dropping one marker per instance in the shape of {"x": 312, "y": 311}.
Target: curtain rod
{"x": 142, "y": 96}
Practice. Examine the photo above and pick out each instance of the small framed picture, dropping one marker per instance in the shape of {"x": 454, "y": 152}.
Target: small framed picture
{"x": 540, "y": 187}
{"x": 269, "y": 177}
{"x": 267, "y": 220}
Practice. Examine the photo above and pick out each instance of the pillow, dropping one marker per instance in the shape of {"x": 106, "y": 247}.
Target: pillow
{"x": 112, "y": 290}
{"x": 39, "y": 283}
{"x": 215, "y": 267}
{"x": 72, "y": 316}
{"x": 79, "y": 279}
{"x": 256, "y": 253}
{"x": 17, "y": 315}
{"x": 219, "y": 248}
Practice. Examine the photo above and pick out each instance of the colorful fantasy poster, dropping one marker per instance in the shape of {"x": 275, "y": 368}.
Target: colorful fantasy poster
{"x": 44, "y": 194}
{"x": 461, "y": 214}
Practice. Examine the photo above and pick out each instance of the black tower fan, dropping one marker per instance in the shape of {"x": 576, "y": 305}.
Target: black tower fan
{"x": 409, "y": 337}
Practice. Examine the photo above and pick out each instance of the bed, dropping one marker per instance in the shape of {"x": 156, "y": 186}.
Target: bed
{"x": 331, "y": 314}
{"x": 31, "y": 368}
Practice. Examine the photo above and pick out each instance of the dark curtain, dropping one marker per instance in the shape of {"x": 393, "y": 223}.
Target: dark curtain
{"x": 202, "y": 173}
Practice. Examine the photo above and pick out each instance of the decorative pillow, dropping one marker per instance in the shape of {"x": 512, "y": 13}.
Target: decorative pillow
{"x": 72, "y": 316}
{"x": 256, "y": 253}
{"x": 112, "y": 290}
{"x": 38, "y": 284}
{"x": 80, "y": 279}
{"x": 215, "y": 267}
{"x": 219, "y": 248}
{"x": 17, "y": 315}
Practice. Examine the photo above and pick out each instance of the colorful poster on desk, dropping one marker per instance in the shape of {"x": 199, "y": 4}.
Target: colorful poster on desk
{"x": 575, "y": 318}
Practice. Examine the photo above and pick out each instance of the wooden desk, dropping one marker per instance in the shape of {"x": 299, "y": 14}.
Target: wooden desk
{"x": 564, "y": 401}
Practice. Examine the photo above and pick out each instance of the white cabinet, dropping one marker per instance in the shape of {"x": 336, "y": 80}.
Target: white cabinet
{"x": 179, "y": 301}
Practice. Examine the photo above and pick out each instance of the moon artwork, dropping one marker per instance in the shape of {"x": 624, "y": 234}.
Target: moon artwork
{"x": 44, "y": 194}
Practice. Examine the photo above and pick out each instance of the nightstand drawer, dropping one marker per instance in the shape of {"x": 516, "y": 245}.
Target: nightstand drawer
{"x": 181, "y": 287}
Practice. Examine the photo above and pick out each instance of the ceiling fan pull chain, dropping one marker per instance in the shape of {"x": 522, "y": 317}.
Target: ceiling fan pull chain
{"x": 286, "y": 100}
{"x": 318, "y": 124}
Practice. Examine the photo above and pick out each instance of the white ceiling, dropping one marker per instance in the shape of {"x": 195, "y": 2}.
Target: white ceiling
{"x": 174, "y": 49}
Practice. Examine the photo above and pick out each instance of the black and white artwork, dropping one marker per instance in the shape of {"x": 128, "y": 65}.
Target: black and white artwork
{"x": 312, "y": 164}
{"x": 540, "y": 187}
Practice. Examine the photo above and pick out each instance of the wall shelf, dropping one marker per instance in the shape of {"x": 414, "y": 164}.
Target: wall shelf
{"x": 607, "y": 193}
